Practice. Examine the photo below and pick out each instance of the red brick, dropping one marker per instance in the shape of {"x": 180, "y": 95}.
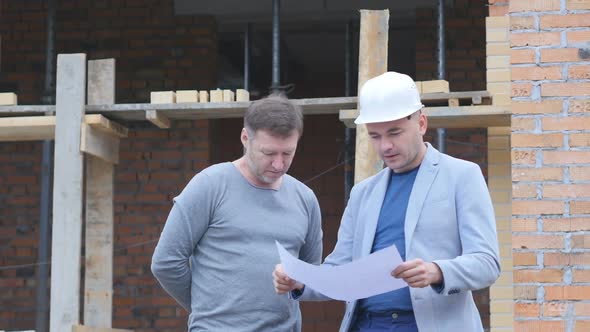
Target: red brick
{"x": 579, "y": 174}
{"x": 522, "y": 56}
{"x": 535, "y": 39}
{"x": 544, "y": 275}
{"x": 579, "y": 140}
{"x": 521, "y": 89}
{"x": 582, "y": 309}
{"x": 524, "y": 190}
{"x": 579, "y": 72}
{"x": 536, "y": 73}
{"x": 534, "y": 5}
{"x": 564, "y": 21}
{"x": 554, "y": 309}
{"x": 565, "y": 89}
{"x": 581, "y": 241}
{"x": 537, "y": 242}
{"x": 565, "y": 259}
{"x": 579, "y": 106}
{"x": 539, "y": 326}
{"x": 581, "y": 276}
{"x": 536, "y": 140}
{"x": 560, "y": 54}
{"x": 566, "y": 190}
{"x": 537, "y": 174}
{"x": 526, "y": 309}
{"x": 577, "y": 4}
{"x": 519, "y": 123}
{"x": 524, "y": 258}
{"x": 582, "y": 326}
{"x": 566, "y": 224}
{"x": 522, "y": 22}
{"x": 524, "y": 224}
{"x": 580, "y": 207}
{"x": 498, "y": 10}
{"x": 577, "y": 37}
{"x": 566, "y": 157}
{"x": 524, "y": 157}
{"x": 553, "y": 293}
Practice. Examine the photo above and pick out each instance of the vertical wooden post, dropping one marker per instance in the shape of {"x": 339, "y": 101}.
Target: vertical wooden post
{"x": 67, "y": 193}
{"x": 372, "y": 62}
{"x": 98, "y": 277}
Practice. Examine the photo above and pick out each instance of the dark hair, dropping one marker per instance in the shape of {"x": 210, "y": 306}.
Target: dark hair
{"x": 275, "y": 114}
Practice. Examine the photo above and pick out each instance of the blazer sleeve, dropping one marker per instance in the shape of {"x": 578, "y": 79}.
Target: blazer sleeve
{"x": 478, "y": 266}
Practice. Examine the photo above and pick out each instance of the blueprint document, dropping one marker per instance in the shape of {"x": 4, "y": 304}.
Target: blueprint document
{"x": 368, "y": 276}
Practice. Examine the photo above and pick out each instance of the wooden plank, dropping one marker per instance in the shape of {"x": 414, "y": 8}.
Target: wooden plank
{"x": 82, "y": 328}
{"x": 99, "y": 144}
{"x": 435, "y": 86}
{"x": 98, "y": 277}
{"x": 100, "y": 139}
{"x": 372, "y": 62}
{"x": 105, "y": 125}
{"x": 483, "y": 116}
{"x": 27, "y": 128}
{"x": 158, "y": 118}
{"x": 67, "y": 193}
{"x": 101, "y": 82}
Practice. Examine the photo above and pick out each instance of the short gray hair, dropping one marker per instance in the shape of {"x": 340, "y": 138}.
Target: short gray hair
{"x": 275, "y": 114}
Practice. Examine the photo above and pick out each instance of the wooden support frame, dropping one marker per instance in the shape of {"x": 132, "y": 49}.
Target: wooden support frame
{"x": 157, "y": 118}
{"x": 83, "y": 328}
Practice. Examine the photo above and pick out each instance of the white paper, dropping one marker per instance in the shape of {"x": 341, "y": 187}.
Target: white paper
{"x": 368, "y": 276}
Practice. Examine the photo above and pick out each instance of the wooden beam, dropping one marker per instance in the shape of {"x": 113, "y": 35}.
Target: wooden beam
{"x": 372, "y": 62}
{"x": 35, "y": 128}
{"x": 82, "y": 328}
{"x": 27, "y": 128}
{"x": 105, "y": 125}
{"x": 158, "y": 118}
{"x": 66, "y": 241}
{"x": 100, "y": 139}
{"x": 483, "y": 116}
{"x": 99, "y": 144}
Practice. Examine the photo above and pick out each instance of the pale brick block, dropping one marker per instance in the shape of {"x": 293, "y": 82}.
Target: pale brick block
{"x": 8, "y": 98}
{"x": 216, "y": 96}
{"x": 435, "y": 86}
{"x": 498, "y": 62}
{"x": 187, "y": 96}
{"x": 499, "y": 88}
{"x": 203, "y": 96}
{"x": 497, "y": 35}
{"x": 498, "y": 49}
{"x": 497, "y": 22}
{"x": 499, "y": 319}
{"x": 578, "y": 4}
{"x": 502, "y": 292}
{"x": 498, "y": 75}
{"x": 501, "y": 306}
{"x": 162, "y": 97}
{"x": 499, "y": 131}
{"x": 501, "y": 100}
{"x": 228, "y": 96}
{"x": 242, "y": 95}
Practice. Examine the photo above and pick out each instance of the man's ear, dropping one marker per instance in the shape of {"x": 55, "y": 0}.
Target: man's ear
{"x": 244, "y": 137}
{"x": 423, "y": 123}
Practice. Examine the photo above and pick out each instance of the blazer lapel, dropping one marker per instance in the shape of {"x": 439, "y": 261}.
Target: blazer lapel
{"x": 424, "y": 178}
{"x": 372, "y": 210}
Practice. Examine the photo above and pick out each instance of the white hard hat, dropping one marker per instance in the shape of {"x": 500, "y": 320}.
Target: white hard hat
{"x": 388, "y": 97}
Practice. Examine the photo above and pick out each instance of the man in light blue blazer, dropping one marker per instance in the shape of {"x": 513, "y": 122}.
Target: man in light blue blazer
{"x": 435, "y": 208}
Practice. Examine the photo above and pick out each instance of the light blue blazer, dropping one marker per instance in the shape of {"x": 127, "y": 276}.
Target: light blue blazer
{"x": 449, "y": 220}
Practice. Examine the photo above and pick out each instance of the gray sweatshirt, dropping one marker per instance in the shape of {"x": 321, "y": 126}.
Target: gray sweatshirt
{"x": 217, "y": 250}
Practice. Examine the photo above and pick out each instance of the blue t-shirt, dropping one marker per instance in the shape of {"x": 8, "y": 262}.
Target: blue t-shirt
{"x": 390, "y": 230}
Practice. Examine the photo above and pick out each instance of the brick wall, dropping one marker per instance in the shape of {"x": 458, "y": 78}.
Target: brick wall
{"x": 20, "y": 177}
{"x": 155, "y": 50}
{"x": 550, "y": 72}
{"x": 465, "y": 44}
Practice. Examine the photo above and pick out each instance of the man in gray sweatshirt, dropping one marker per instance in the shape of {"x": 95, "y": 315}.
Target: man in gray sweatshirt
{"x": 217, "y": 249}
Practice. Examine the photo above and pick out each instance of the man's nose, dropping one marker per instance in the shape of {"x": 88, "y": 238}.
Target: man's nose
{"x": 278, "y": 163}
